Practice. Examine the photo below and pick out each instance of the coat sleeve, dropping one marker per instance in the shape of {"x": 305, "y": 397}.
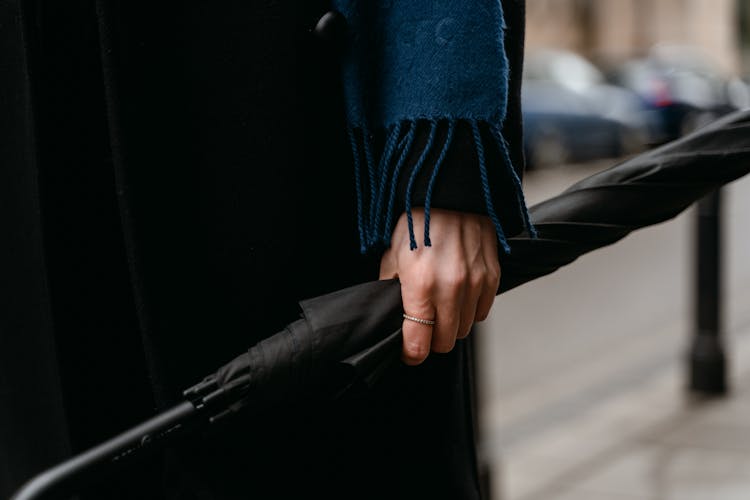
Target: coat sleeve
{"x": 460, "y": 184}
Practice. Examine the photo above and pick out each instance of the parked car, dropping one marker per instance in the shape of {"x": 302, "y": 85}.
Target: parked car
{"x": 681, "y": 86}
{"x": 572, "y": 115}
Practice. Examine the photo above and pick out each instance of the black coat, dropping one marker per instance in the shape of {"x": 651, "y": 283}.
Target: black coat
{"x": 175, "y": 177}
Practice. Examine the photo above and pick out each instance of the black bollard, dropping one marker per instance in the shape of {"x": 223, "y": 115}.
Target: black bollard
{"x": 707, "y": 359}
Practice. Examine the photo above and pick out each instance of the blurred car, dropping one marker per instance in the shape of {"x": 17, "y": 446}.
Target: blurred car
{"x": 680, "y": 86}
{"x": 572, "y": 115}
{"x": 561, "y": 126}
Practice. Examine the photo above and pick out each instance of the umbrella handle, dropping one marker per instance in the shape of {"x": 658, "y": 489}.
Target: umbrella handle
{"x": 152, "y": 434}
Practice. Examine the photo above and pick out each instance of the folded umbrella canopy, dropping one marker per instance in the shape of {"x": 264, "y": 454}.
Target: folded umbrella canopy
{"x": 353, "y": 336}
{"x": 647, "y": 189}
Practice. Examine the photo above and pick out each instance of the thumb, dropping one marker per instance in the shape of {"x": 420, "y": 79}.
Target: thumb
{"x": 388, "y": 266}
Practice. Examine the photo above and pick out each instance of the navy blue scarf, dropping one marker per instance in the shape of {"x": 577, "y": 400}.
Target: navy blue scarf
{"x": 410, "y": 61}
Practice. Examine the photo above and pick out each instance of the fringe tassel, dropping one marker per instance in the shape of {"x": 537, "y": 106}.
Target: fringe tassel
{"x": 412, "y": 178}
{"x": 358, "y": 183}
{"x": 392, "y": 146}
{"x": 368, "y": 140}
{"x": 405, "y": 147}
{"x": 486, "y": 187}
{"x": 431, "y": 184}
{"x": 375, "y": 214}
{"x": 498, "y": 135}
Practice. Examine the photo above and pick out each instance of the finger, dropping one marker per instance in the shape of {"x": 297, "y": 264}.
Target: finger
{"x": 470, "y": 303}
{"x": 417, "y": 336}
{"x": 484, "y": 305}
{"x": 448, "y": 313}
{"x": 490, "y": 254}
{"x": 491, "y": 283}
{"x": 417, "y": 339}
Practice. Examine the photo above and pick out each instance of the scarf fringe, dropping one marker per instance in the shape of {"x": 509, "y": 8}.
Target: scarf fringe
{"x": 384, "y": 172}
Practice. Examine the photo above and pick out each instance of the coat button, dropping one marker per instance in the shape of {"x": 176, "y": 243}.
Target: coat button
{"x": 331, "y": 27}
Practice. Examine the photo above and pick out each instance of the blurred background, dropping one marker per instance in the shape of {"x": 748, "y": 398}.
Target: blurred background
{"x": 583, "y": 374}
{"x": 606, "y": 78}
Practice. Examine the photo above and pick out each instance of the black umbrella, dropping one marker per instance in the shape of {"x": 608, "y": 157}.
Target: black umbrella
{"x": 352, "y": 336}
{"x": 349, "y": 336}
{"x": 647, "y": 189}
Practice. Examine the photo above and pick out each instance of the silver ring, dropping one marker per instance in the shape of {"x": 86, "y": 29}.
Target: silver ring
{"x": 428, "y": 322}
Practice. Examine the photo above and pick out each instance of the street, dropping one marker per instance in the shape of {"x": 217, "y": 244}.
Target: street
{"x": 577, "y": 366}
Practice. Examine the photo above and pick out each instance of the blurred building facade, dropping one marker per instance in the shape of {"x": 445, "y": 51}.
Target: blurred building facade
{"x": 610, "y": 31}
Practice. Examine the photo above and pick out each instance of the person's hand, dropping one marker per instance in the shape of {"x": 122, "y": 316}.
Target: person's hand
{"x": 452, "y": 282}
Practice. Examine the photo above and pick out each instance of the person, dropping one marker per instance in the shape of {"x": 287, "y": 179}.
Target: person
{"x": 196, "y": 181}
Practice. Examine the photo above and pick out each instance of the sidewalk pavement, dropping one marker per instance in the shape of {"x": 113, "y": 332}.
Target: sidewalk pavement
{"x": 582, "y": 374}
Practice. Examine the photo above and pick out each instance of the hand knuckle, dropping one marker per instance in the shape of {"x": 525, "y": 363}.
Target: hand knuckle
{"x": 424, "y": 280}
{"x": 476, "y": 280}
{"x": 495, "y": 272}
{"x": 456, "y": 279}
{"x": 427, "y": 283}
{"x": 493, "y": 278}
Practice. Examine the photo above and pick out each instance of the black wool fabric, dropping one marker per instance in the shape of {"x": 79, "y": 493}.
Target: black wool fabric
{"x": 175, "y": 177}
